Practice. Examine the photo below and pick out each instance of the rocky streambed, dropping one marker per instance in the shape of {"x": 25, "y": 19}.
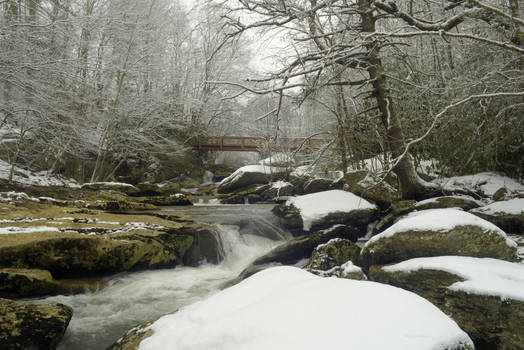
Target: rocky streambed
{"x": 119, "y": 260}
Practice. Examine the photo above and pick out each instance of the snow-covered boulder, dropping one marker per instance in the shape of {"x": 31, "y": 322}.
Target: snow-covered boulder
{"x": 321, "y": 210}
{"x": 486, "y": 184}
{"x": 333, "y": 253}
{"x": 289, "y": 308}
{"x": 484, "y": 296}
{"x": 462, "y": 202}
{"x": 279, "y": 160}
{"x": 507, "y": 214}
{"x": 436, "y": 232}
{"x": 249, "y": 175}
{"x": 31, "y": 326}
{"x": 372, "y": 188}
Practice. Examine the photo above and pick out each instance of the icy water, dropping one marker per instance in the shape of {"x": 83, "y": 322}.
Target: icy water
{"x": 102, "y": 317}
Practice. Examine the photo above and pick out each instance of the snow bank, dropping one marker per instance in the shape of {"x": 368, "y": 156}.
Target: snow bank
{"x": 42, "y": 178}
{"x": 439, "y": 220}
{"x": 511, "y": 207}
{"x": 487, "y": 182}
{"x": 289, "y": 308}
{"x": 348, "y": 268}
{"x": 484, "y": 276}
{"x": 315, "y": 206}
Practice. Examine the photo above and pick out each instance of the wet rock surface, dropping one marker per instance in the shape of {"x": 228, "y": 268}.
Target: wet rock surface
{"x": 29, "y": 326}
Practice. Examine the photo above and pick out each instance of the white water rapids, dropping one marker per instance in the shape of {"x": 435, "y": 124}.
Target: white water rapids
{"x": 100, "y": 318}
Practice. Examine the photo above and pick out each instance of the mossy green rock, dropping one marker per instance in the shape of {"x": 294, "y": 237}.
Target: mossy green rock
{"x": 299, "y": 248}
{"x": 333, "y": 253}
{"x": 83, "y": 255}
{"x": 131, "y": 339}
{"x": 17, "y": 283}
{"x": 467, "y": 240}
{"x": 371, "y": 188}
{"x": 29, "y": 326}
{"x": 493, "y": 323}
{"x": 510, "y": 220}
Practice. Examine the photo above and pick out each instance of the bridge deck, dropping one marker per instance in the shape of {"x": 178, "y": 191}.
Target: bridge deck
{"x": 254, "y": 144}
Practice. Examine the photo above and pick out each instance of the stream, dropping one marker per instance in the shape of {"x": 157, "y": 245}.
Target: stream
{"x": 128, "y": 299}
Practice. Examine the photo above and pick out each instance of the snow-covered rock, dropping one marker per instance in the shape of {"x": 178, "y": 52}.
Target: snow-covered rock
{"x": 249, "y": 175}
{"x": 507, "y": 214}
{"x": 324, "y": 209}
{"x": 463, "y": 202}
{"x": 41, "y": 178}
{"x": 436, "y": 232}
{"x": 486, "y": 183}
{"x": 279, "y": 160}
{"x": 110, "y": 186}
{"x": 484, "y": 296}
{"x": 289, "y": 308}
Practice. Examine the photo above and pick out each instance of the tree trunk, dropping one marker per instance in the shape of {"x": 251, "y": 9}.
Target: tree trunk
{"x": 410, "y": 185}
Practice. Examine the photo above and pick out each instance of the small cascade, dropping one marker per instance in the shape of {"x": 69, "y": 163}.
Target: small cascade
{"x": 128, "y": 299}
{"x": 207, "y": 178}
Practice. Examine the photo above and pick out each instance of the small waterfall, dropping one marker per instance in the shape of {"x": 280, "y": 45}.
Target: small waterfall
{"x": 207, "y": 178}
{"x": 128, "y": 299}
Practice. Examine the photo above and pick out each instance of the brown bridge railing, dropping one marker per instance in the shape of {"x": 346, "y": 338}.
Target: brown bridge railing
{"x": 255, "y": 144}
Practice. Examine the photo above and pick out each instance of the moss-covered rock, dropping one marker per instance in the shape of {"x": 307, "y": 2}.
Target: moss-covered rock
{"x": 317, "y": 185}
{"x": 398, "y": 209}
{"x": 171, "y": 200}
{"x": 335, "y": 252}
{"x": 438, "y": 232}
{"x": 110, "y": 186}
{"x": 72, "y": 244}
{"x": 17, "y": 283}
{"x": 28, "y": 326}
{"x": 131, "y": 339}
{"x": 463, "y": 202}
{"x": 251, "y": 194}
{"x": 462, "y": 241}
{"x": 370, "y": 187}
{"x": 492, "y": 322}
{"x": 299, "y": 248}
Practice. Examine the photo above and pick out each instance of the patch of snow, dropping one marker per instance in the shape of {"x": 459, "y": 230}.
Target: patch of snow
{"x": 332, "y": 240}
{"x": 116, "y": 184}
{"x": 349, "y": 267}
{"x": 486, "y": 182}
{"x": 280, "y": 184}
{"x": 439, "y": 220}
{"x": 14, "y": 229}
{"x": 315, "y": 206}
{"x": 21, "y": 220}
{"x": 289, "y": 308}
{"x": 41, "y": 178}
{"x": 511, "y": 207}
{"x": 483, "y": 276}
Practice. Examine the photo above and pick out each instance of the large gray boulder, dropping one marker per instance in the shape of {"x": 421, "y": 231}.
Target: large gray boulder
{"x": 484, "y": 296}
{"x": 30, "y": 326}
{"x": 371, "y": 187}
{"x": 437, "y": 232}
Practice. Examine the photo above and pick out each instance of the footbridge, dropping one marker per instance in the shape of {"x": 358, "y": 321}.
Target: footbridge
{"x": 257, "y": 144}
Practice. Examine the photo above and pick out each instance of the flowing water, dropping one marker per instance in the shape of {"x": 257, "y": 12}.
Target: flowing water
{"x": 128, "y": 299}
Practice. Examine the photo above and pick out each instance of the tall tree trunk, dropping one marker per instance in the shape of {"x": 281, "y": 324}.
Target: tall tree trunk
{"x": 410, "y": 186}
